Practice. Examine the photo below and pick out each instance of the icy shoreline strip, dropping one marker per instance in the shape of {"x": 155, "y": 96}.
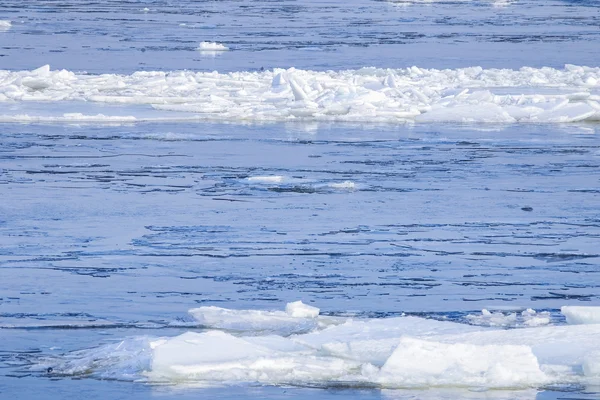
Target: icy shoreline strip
{"x": 466, "y": 95}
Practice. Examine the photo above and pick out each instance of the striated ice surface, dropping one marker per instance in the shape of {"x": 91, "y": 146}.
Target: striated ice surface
{"x": 581, "y": 315}
{"x": 401, "y": 352}
{"x": 466, "y": 95}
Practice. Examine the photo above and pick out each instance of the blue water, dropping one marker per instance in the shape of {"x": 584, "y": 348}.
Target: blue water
{"x": 113, "y": 231}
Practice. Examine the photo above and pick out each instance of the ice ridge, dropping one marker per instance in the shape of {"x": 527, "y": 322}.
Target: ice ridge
{"x": 466, "y": 95}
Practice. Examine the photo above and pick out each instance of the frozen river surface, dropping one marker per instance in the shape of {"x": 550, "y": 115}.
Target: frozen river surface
{"x": 399, "y": 201}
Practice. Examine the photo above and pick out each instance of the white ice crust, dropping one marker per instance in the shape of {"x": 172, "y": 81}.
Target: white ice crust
{"x": 581, "y": 315}
{"x": 402, "y": 352}
{"x": 469, "y": 95}
{"x": 5, "y": 25}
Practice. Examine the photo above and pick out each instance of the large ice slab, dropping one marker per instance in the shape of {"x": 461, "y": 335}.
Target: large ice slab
{"x": 466, "y": 95}
{"x": 417, "y": 362}
{"x": 218, "y": 356}
{"x": 581, "y": 314}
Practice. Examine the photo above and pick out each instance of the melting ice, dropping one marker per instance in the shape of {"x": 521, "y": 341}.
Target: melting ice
{"x": 299, "y": 346}
{"x": 527, "y": 95}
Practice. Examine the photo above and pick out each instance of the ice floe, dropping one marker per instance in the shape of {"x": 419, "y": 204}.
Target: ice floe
{"x": 299, "y": 346}
{"x": 466, "y": 95}
{"x": 5, "y": 25}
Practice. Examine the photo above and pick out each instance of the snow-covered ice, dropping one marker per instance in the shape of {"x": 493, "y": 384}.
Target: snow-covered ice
{"x": 473, "y": 95}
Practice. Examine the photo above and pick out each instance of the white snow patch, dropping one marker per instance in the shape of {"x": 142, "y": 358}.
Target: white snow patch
{"x": 581, "y": 314}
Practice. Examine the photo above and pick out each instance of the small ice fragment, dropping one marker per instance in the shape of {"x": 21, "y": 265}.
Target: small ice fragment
{"x": 389, "y": 81}
{"x": 43, "y": 70}
{"x": 212, "y": 46}
{"x": 299, "y": 93}
{"x": 580, "y": 315}
{"x": 298, "y": 309}
{"x": 533, "y": 318}
{"x": 278, "y": 80}
{"x": 488, "y": 318}
{"x": 343, "y": 185}
{"x": 5, "y": 25}
{"x": 265, "y": 179}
